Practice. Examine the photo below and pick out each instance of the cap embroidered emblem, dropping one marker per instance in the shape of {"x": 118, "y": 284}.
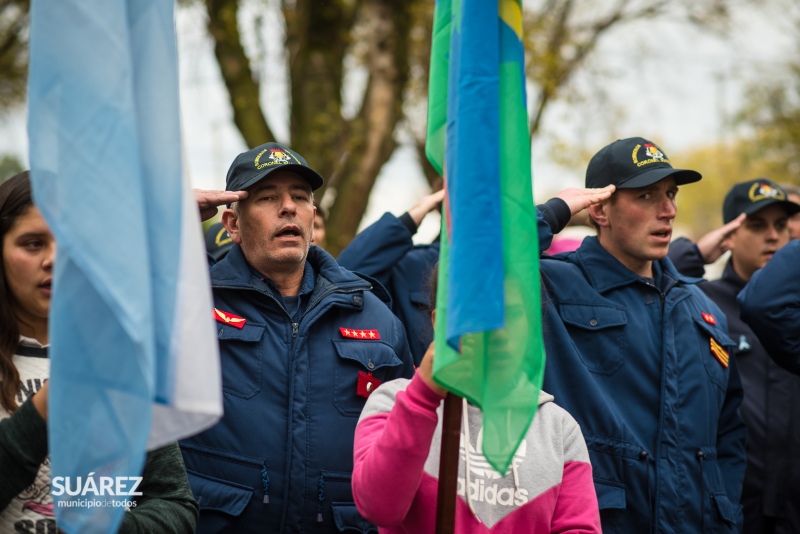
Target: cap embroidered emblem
{"x": 763, "y": 190}
{"x": 229, "y": 318}
{"x": 719, "y": 353}
{"x": 652, "y": 154}
{"x": 652, "y": 151}
{"x": 710, "y": 319}
{"x": 359, "y": 334}
{"x": 366, "y": 384}
{"x": 279, "y": 156}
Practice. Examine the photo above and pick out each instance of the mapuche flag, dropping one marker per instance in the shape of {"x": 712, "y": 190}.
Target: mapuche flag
{"x": 489, "y": 346}
{"x": 135, "y": 362}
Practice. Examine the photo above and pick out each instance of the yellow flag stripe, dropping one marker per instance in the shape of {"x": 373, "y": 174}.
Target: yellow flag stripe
{"x": 511, "y": 14}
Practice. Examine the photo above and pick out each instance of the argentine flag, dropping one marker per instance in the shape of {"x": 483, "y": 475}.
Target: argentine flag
{"x": 135, "y": 362}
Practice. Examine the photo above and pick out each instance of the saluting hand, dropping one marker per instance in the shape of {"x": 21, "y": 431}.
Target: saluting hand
{"x": 579, "y": 199}
{"x": 208, "y": 200}
{"x": 715, "y": 243}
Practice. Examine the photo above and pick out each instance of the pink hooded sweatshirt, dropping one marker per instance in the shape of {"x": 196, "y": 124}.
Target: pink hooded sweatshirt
{"x": 548, "y": 487}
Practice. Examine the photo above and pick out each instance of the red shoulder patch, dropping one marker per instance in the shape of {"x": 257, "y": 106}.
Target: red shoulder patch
{"x": 359, "y": 334}
{"x": 229, "y": 318}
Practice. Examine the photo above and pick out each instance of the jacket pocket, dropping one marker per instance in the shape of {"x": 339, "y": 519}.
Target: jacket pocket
{"x": 240, "y": 352}
{"x": 715, "y": 362}
{"x": 347, "y": 519}
{"x": 601, "y": 353}
{"x": 720, "y": 514}
{"x": 374, "y": 357}
{"x": 218, "y": 495}
{"x": 610, "y": 495}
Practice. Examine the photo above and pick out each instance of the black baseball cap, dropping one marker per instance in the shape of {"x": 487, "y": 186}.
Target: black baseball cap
{"x": 252, "y": 166}
{"x": 633, "y": 162}
{"x": 755, "y": 195}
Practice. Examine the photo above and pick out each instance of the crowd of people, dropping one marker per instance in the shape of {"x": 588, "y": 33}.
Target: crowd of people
{"x": 666, "y": 403}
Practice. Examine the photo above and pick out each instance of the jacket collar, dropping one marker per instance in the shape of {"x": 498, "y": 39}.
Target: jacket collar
{"x": 234, "y": 271}
{"x": 732, "y": 277}
{"x": 605, "y": 272}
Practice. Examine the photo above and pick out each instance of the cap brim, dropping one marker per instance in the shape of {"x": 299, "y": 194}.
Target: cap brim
{"x": 791, "y": 207}
{"x": 310, "y": 175}
{"x": 682, "y": 177}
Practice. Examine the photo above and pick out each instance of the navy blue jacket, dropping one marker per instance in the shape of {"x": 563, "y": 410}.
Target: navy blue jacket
{"x": 768, "y": 409}
{"x": 631, "y": 360}
{"x": 770, "y": 304}
{"x": 291, "y": 407}
{"x": 385, "y": 250}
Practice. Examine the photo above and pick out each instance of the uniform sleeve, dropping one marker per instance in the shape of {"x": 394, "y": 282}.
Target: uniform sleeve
{"x": 545, "y": 231}
{"x": 378, "y": 248}
{"x": 770, "y": 304}
{"x": 392, "y": 443}
{"x": 166, "y": 504}
{"x": 731, "y": 433}
{"x": 687, "y": 258}
{"x": 576, "y": 510}
{"x": 23, "y": 448}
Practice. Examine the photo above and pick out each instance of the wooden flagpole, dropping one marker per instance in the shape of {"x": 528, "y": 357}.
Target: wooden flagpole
{"x": 448, "y": 465}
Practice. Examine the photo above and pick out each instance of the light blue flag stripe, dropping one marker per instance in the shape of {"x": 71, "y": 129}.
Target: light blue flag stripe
{"x": 105, "y": 161}
{"x": 473, "y": 172}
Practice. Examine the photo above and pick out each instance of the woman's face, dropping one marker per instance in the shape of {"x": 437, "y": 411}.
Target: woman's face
{"x": 29, "y": 250}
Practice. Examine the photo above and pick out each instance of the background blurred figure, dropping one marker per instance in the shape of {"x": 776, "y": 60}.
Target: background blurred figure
{"x": 218, "y": 242}
{"x": 793, "y": 194}
{"x": 386, "y": 251}
{"x": 756, "y": 216}
{"x": 319, "y": 226}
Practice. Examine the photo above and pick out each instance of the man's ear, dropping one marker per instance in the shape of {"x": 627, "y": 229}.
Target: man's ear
{"x": 230, "y": 220}
{"x": 598, "y": 213}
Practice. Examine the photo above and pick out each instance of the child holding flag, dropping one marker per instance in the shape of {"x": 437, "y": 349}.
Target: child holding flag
{"x": 548, "y": 487}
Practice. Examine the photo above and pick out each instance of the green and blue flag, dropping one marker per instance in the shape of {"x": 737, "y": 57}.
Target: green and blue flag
{"x": 489, "y": 346}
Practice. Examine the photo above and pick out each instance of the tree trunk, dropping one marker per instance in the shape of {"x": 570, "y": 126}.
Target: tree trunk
{"x": 369, "y": 137}
{"x": 318, "y": 36}
{"x": 234, "y": 66}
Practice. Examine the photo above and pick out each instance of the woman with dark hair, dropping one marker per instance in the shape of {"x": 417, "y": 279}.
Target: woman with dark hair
{"x": 27, "y": 251}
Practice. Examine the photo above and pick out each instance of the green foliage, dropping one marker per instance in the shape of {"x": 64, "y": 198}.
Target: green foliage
{"x": 9, "y": 166}
{"x": 13, "y": 52}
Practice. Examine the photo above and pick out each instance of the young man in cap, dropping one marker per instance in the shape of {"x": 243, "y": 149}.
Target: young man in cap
{"x": 755, "y": 215}
{"x": 303, "y": 343}
{"x": 640, "y": 357}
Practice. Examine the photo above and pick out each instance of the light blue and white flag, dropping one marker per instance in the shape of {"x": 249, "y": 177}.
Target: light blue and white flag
{"x": 135, "y": 362}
